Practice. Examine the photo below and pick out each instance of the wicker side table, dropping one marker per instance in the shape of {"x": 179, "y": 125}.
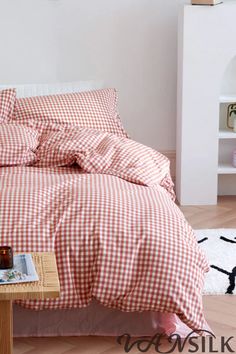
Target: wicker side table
{"x": 47, "y": 287}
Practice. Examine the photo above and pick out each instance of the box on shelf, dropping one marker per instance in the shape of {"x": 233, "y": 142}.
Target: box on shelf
{"x": 206, "y": 2}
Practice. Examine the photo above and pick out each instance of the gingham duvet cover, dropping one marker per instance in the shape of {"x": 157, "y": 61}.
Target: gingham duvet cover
{"x": 112, "y": 222}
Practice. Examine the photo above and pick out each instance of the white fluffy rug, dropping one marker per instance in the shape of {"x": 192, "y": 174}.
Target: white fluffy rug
{"x": 219, "y": 246}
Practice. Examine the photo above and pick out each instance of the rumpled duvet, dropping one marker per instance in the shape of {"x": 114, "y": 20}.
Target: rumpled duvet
{"x": 105, "y": 205}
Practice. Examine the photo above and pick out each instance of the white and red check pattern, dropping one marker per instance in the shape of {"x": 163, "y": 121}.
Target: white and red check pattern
{"x": 101, "y": 152}
{"x": 123, "y": 243}
{"x": 7, "y": 102}
{"x": 93, "y": 109}
{"x": 18, "y": 144}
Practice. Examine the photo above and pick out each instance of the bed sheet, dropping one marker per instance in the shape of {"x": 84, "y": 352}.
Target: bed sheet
{"x": 96, "y": 320}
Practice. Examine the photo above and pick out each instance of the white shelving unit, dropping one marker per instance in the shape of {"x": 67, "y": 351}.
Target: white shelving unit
{"x": 226, "y": 169}
{"x": 206, "y": 85}
{"x": 226, "y": 134}
{"x": 227, "y": 98}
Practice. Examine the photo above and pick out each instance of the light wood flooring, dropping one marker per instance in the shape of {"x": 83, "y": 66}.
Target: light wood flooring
{"x": 220, "y": 310}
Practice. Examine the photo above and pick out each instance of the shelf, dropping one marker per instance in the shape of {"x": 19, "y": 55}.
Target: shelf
{"x": 227, "y": 134}
{"x": 227, "y": 98}
{"x": 226, "y": 169}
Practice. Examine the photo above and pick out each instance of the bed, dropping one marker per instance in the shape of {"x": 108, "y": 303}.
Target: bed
{"x": 105, "y": 204}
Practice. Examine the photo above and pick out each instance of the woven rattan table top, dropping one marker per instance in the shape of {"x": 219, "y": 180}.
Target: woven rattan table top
{"x": 47, "y": 287}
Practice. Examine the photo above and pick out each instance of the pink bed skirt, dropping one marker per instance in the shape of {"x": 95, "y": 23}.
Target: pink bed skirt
{"x": 94, "y": 320}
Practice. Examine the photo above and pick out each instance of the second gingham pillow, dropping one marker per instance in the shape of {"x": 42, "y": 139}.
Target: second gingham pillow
{"x": 93, "y": 109}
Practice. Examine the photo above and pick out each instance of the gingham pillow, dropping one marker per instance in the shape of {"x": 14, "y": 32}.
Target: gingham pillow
{"x": 93, "y": 109}
{"x": 17, "y": 144}
{"x": 7, "y": 102}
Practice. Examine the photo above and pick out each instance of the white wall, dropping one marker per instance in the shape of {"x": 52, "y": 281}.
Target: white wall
{"x": 129, "y": 44}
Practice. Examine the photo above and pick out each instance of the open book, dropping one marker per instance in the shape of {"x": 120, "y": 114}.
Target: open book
{"x": 23, "y": 271}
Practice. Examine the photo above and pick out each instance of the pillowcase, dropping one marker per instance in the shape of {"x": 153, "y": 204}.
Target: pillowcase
{"x": 17, "y": 144}
{"x": 7, "y": 102}
{"x": 93, "y": 109}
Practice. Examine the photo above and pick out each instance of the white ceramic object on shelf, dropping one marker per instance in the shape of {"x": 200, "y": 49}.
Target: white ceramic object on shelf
{"x": 234, "y": 124}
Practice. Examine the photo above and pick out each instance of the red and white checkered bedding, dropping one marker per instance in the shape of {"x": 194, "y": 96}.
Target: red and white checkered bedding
{"x": 112, "y": 222}
{"x": 7, "y": 102}
{"x": 18, "y": 144}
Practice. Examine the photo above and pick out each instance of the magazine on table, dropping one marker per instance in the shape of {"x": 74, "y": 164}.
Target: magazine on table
{"x": 22, "y": 272}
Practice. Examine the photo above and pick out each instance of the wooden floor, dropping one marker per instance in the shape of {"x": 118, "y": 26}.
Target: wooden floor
{"x": 220, "y": 311}
{"x": 221, "y": 215}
